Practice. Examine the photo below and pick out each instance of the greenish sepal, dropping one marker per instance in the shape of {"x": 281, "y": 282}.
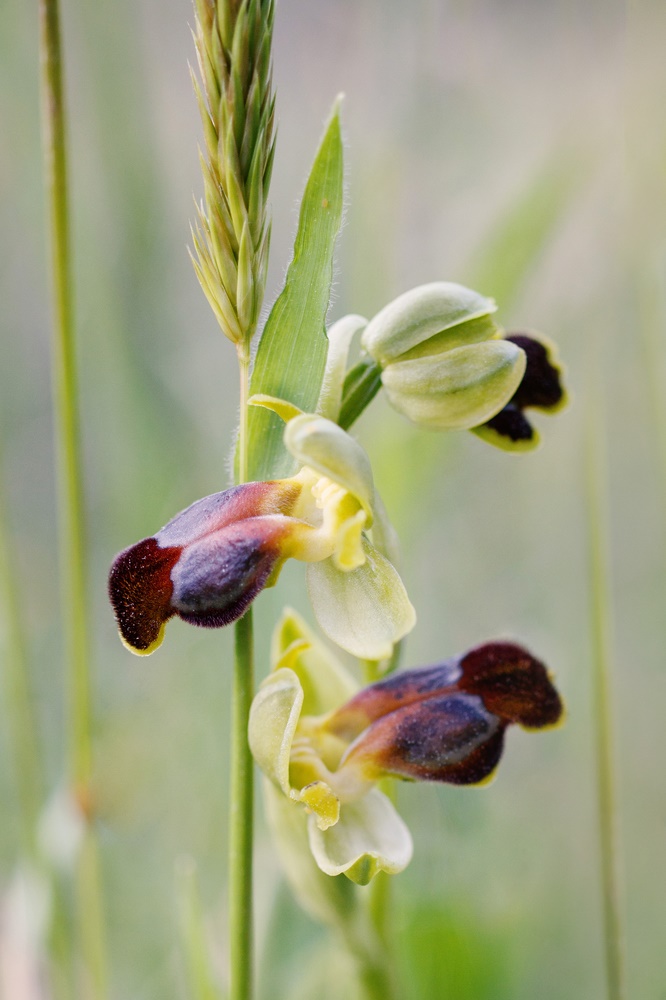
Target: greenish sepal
{"x": 384, "y": 536}
{"x": 472, "y": 331}
{"x": 274, "y": 715}
{"x": 442, "y": 310}
{"x": 365, "y": 611}
{"x": 323, "y": 446}
{"x": 325, "y": 682}
{"x": 459, "y": 389}
{"x": 340, "y": 337}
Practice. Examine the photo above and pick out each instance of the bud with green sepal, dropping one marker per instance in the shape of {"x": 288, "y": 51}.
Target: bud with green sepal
{"x": 436, "y": 350}
{"x": 429, "y": 320}
{"x": 445, "y": 364}
{"x": 324, "y": 745}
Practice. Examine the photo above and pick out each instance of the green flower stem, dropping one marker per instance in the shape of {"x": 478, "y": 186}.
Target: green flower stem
{"x": 601, "y": 629}
{"x": 70, "y": 493}
{"x": 242, "y": 774}
{"x": 370, "y": 669}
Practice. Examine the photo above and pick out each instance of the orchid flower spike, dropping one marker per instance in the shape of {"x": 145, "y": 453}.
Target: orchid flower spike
{"x": 444, "y": 723}
{"x": 209, "y": 563}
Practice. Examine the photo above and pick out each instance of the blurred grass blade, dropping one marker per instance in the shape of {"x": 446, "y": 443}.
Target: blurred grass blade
{"x": 291, "y": 357}
{"x": 601, "y": 629}
{"x": 199, "y": 975}
{"x": 449, "y": 951}
{"x": 512, "y": 246}
{"x": 22, "y": 722}
{"x": 71, "y": 533}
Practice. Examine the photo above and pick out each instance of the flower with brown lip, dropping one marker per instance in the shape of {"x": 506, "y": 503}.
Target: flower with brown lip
{"x": 209, "y": 563}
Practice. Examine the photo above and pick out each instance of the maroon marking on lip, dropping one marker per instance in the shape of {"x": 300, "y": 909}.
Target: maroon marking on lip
{"x": 140, "y": 591}
{"x": 512, "y": 684}
{"x": 540, "y": 386}
{"x": 447, "y": 738}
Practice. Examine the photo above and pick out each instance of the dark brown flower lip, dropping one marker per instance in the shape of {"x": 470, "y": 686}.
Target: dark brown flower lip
{"x": 541, "y": 385}
{"x": 140, "y": 591}
{"x": 447, "y": 722}
{"x": 541, "y": 388}
{"x": 205, "y": 566}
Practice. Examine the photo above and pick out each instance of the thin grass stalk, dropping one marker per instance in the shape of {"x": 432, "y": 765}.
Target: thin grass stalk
{"x": 596, "y": 482}
{"x": 22, "y": 722}
{"x": 199, "y": 975}
{"x": 70, "y": 495}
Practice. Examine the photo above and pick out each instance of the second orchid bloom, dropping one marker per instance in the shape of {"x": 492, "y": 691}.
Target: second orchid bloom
{"x": 323, "y": 744}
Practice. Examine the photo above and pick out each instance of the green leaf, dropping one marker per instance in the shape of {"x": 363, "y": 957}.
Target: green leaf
{"x": 292, "y": 351}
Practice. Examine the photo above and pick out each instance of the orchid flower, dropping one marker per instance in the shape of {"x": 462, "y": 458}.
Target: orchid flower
{"x": 209, "y": 563}
{"x": 324, "y": 745}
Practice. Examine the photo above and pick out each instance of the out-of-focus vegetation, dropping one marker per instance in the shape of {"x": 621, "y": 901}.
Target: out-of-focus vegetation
{"x": 515, "y": 146}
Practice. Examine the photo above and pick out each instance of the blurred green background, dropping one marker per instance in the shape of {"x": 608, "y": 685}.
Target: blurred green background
{"x": 516, "y": 146}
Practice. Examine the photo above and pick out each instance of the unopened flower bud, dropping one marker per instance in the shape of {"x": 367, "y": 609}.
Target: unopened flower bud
{"x": 460, "y": 388}
{"x": 429, "y": 320}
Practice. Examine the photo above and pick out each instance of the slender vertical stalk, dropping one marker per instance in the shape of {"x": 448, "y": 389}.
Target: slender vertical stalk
{"x": 601, "y": 633}
{"x": 200, "y": 979}
{"x": 70, "y": 480}
{"x": 70, "y": 490}
{"x": 242, "y": 777}
{"x": 22, "y": 724}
